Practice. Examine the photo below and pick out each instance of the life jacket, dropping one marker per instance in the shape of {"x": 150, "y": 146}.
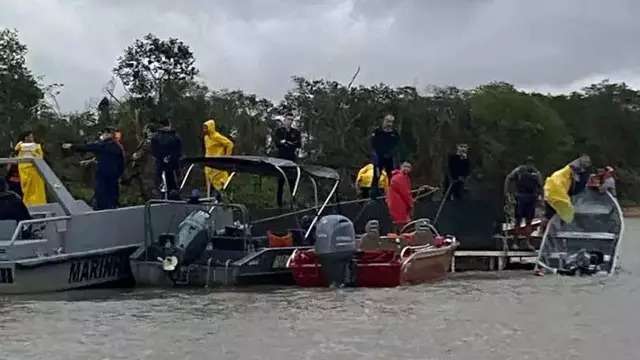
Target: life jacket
{"x": 528, "y": 181}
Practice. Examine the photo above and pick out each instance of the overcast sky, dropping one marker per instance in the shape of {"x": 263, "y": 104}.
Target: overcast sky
{"x": 257, "y": 45}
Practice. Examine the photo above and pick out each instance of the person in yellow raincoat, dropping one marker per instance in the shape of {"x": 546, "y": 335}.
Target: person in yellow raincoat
{"x": 365, "y": 178}
{"x": 559, "y": 186}
{"x": 33, "y": 187}
{"x": 215, "y": 144}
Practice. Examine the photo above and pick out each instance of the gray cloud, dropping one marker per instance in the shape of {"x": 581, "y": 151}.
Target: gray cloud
{"x": 256, "y": 45}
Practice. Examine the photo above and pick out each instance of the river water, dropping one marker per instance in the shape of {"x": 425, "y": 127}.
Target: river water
{"x": 509, "y": 315}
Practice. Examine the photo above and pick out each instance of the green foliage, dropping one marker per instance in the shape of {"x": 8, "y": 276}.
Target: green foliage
{"x": 501, "y": 124}
{"x": 19, "y": 91}
{"x": 152, "y": 67}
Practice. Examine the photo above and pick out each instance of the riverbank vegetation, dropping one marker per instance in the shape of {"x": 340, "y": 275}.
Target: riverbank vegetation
{"x": 501, "y": 124}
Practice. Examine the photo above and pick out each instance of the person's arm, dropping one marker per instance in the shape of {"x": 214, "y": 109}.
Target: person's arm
{"x": 278, "y": 139}
{"x": 509, "y": 179}
{"x": 22, "y": 213}
{"x": 540, "y": 183}
{"x": 359, "y": 179}
{"x": 95, "y": 147}
{"x": 39, "y": 153}
{"x": 373, "y": 142}
{"x": 155, "y": 148}
{"x": 297, "y": 140}
{"x": 226, "y": 143}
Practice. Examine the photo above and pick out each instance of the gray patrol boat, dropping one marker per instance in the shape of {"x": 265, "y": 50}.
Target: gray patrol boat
{"x": 67, "y": 245}
{"x": 206, "y": 242}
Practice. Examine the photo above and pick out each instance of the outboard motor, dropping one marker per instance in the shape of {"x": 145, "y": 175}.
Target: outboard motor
{"x": 193, "y": 236}
{"x": 583, "y": 262}
{"x": 335, "y": 246}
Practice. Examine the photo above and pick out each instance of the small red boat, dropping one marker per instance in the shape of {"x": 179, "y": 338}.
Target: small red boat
{"x": 385, "y": 261}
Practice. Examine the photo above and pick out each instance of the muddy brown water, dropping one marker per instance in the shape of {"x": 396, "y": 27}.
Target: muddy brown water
{"x": 479, "y": 315}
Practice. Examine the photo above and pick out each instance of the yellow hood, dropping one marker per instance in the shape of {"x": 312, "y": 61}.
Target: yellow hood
{"x": 215, "y": 143}
{"x": 211, "y": 126}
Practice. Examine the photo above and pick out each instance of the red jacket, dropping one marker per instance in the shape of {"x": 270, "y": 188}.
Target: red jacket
{"x": 399, "y": 199}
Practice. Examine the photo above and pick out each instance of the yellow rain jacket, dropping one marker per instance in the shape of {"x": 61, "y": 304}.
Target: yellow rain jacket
{"x": 215, "y": 144}
{"x": 32, "y": 184}
{"x": 556, "y": 193}
{"x": 365, "y": 178}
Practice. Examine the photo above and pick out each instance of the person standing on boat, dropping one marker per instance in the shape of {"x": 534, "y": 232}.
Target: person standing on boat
{"x": 215, "y": 144}
{"x": 109, "y": 168}
{"x": 31, "y": 182}
{"x": 11, "y": 206}
{"x": 458, "y": 170}
{"x": 288, "y": 142}
{"x": 384, "y": 141}
{"x": 364, "y": 181}
{"x": 166, "y": 148}
{"x": 559, "y": 187}
{"x": 399, "y": 199}
{"x": 13, "y": 179}
{"x": 608, "y": 183}
{"x": 528, "y": 190}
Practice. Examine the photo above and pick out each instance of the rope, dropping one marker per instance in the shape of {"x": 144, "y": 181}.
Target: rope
{"x": 356, "y": 201}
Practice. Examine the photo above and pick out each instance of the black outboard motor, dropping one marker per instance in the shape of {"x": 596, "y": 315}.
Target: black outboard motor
{"x": 583, "y": 262}
{"x": 335, "y": 247}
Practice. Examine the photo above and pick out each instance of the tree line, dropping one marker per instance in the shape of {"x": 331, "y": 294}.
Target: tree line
{"x": 501, "y": 124}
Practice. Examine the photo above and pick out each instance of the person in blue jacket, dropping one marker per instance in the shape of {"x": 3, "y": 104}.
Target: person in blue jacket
{"x": 109, "y": 168}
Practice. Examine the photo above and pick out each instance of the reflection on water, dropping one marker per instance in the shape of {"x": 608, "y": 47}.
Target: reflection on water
{"x": 509, "y": 315}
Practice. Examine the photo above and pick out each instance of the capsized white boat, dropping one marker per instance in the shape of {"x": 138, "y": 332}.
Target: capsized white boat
{"x": 588, "y": 245}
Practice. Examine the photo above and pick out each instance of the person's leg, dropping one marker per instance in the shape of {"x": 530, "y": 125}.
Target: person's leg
{"x": 172, "y": 180}
{"x": 377, "y": 167}
{"x": 115, "y": 188}
{"x": 158, "y": 180}
{"x": 100, "y": 194}
{"x": 364, "y": 192}
{"x": 529, "y": 212}
{"x": 456, "y": 190}
{"x": 388, "y": 166}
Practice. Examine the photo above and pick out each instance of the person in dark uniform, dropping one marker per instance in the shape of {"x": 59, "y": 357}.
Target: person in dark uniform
{"x": 458, "y": 170}
{"x": 287, "y": 141}
{"x": 11, "y": 205}
{"x": 166, "y": 148}
{"x": 384, "y": 142}
{"x": 13, "y": 179}
{"x": 109, "y": 168}
{"x": 528, "y": 190}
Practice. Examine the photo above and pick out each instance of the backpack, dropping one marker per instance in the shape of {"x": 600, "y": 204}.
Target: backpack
{"x": 527, "y": 181}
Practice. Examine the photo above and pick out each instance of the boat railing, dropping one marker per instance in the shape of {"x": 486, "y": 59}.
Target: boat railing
{"x": 22, "y": 225}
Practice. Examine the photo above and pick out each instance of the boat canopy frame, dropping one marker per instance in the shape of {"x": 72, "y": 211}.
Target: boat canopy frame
{"x": 265, "y": 166}
{"x": 274, "y": 167}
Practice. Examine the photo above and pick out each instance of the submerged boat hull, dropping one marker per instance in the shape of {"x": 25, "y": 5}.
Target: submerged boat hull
{"x": 379, "y": 268}
{"x": 104, "y": 267}
{"x": 590, "y": 243}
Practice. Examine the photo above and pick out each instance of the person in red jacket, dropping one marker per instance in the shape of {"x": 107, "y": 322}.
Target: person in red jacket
{"x": 399, "y": 198}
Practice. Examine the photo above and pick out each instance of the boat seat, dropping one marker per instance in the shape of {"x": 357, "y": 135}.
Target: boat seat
{"x": 423, "y": 238}
{"x": 7, "y": 228}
